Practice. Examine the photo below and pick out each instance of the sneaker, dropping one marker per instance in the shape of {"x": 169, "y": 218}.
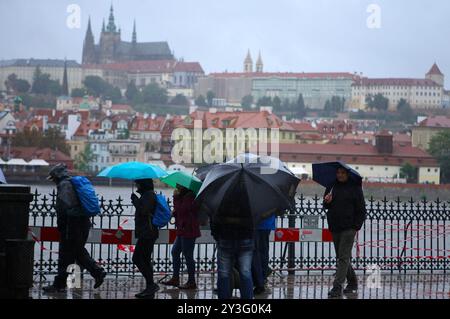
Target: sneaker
{"x": 149, "y": 292}
{"x": 351, "y": 289}
{"x": 336, "y": 292}
{"x": 99, "y": 280}
{"x": 259, "y": 290}
{"x": 51, "y": 289}
{"x": 190, "y": 285}
{"x": 174, "y": 282}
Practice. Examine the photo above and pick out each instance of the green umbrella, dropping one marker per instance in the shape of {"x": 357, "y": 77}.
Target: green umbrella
{"x": 184, "y": 179}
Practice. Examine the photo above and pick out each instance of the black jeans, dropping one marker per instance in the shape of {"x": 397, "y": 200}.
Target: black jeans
{"x": 343, "y": 244}
{"x": 142, "y": 258}
{"x": 72, "y": 250}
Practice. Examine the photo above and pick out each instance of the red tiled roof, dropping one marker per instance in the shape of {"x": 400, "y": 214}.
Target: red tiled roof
{"x": 188, "y": 67}
{"x": 85, "y": 127}
{"x": 124, "y": 107}
{"x": 255, "y": 119}
{"x": 394, "y": 82}
{"x": 142, "y": 124}
{"x": 302, "y": 127}
{"x": 283, "y": 75}
{"x": 360, "y": 154}
{"x": 51, "y": 156}
{"x": 439, "y": 121}
{"x": 434, "y": 70}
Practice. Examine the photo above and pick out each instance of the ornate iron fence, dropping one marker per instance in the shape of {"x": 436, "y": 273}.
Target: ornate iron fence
{"x": 397, "y": 236}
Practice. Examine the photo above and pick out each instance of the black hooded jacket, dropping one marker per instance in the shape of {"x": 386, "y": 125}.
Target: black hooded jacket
{"x": 145, "y": 208}
{"x": 347, "y": 210}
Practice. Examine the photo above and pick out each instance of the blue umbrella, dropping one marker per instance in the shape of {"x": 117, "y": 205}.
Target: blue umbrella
{"x": 2, "y": 178}
{"x": 325, "y": 173}
{"x": 133, "y": 171}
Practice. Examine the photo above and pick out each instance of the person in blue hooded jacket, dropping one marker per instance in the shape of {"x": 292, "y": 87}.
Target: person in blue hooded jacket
{"x": 260, "y": 262}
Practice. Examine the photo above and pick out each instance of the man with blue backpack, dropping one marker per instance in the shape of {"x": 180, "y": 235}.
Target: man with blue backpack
{"x": 76, "y": 202}
{"x": 147, "y": 220}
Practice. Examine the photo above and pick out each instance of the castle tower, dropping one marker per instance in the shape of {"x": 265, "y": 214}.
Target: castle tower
{"x": 259, "y": 64}
{"x": 436, "y": 75}
{"x": 89, "y": 46}
{"x": 109, "y": 40}
{"x": 65, "y": 82}
{"x": 248, "y": 63}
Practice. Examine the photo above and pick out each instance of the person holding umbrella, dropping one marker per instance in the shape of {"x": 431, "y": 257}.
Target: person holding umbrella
{"x": 146, "y": 234}
{"x": 346, "y": 212}
{"x": 188, "y": 230}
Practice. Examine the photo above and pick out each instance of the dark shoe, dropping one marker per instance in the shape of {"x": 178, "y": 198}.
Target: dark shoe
{"x": 99, "y": 280}
{"x": 336, "y": 292}
{"x": 53, "y": 289}
{"x": 174, "y": 282}
{"x": 149, "y": 292}
{"x": 190, "y": 285}
{"x": 259, "y": 290}
{"x": 351, "y": 289}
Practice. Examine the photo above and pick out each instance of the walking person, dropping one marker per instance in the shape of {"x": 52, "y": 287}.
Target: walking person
{"x": 188, "y": 230}
{"x": 146, "y": 234}
{"x": 346, "y": 212}
{"x": 260, "y": 262}
{"x": 73, "y": 226}
{"x": 234, "y": 231}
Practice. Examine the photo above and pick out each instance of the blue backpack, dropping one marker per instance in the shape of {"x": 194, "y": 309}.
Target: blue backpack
{"x": 86, "y": 195}
{"x": 162, "y": 214}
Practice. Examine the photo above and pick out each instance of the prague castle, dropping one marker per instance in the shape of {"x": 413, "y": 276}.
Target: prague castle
{"x": 111, "y": 48}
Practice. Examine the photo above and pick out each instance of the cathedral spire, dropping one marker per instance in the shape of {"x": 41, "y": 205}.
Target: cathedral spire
{"x": 111, "y": 24}
{"x": 65, "y": 84}
{"x": 134, "y": 38}
{"x": 248, "y": 63}
{"x": 89, "y": 45}
{"x": 259, "y": 64}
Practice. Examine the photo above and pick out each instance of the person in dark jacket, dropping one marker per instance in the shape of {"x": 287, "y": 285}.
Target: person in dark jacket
{"x": 73, "y": 226}
{"x": 188, "y": 230}
{"x": 346, "y": 213}
{"x": 233, "y": 228}
{"x": 146, "y": 234}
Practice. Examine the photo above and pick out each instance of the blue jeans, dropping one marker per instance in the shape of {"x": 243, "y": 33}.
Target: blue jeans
{"x": 263, "y": 238}
{"x": 185, "y": 246}
{"x": 230, "y": 252}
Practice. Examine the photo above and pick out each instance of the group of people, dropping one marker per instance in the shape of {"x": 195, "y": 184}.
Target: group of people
{"x": 242, "y": 246}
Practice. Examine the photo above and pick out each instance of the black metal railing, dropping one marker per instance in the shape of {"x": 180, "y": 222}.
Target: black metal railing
{"x": 397, "y": 236}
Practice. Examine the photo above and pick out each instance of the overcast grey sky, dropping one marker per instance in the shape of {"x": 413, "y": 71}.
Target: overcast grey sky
{"x": 293, "y": 35}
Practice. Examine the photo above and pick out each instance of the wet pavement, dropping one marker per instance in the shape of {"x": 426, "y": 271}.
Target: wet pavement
{"x": 391, "y": 286}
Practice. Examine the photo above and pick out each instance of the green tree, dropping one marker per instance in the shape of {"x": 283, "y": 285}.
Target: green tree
{"x": 439, "y": 148}
{"x": 265, "y": 101}
{"x": 113, "y": 93}
{"x": 300, "y": 107}
{"x": 95, "y": 85}
{"x": 378, "y": 102}
{"x": 54, "y": 88}
{"x": 406, "y": 112}
{"x": 132, "y": 91}
{"x": 286, "y": 105}
{"x": 247, "y": 102}
{"x": 21, "y": 86}
{"x": 276, "y": 103}
{"x": 83, "y": 159}
{"x": 210, "y": 95}
{"x": 78, "y": 92}
{"x": 200, "y": 101}
{"x": 409, "y": 172}
{"x": 41, "y": 82}
{"x": 10, "y": 81}
{"x": 52, "y": 138}
{"x": 179, "y": 99}
{"x": 153, "y": 94}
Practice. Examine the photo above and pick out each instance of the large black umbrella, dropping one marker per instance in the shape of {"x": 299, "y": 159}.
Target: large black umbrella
{"x": 202, "y": 171}
{"x": 268, "y": 184}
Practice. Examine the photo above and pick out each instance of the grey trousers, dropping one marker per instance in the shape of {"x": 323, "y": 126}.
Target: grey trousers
{"x": 343, "y": 244}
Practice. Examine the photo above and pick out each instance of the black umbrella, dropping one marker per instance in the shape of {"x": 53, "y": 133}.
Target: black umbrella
{"x": 202, "y": 171}
{"x": 268, "y": 184}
